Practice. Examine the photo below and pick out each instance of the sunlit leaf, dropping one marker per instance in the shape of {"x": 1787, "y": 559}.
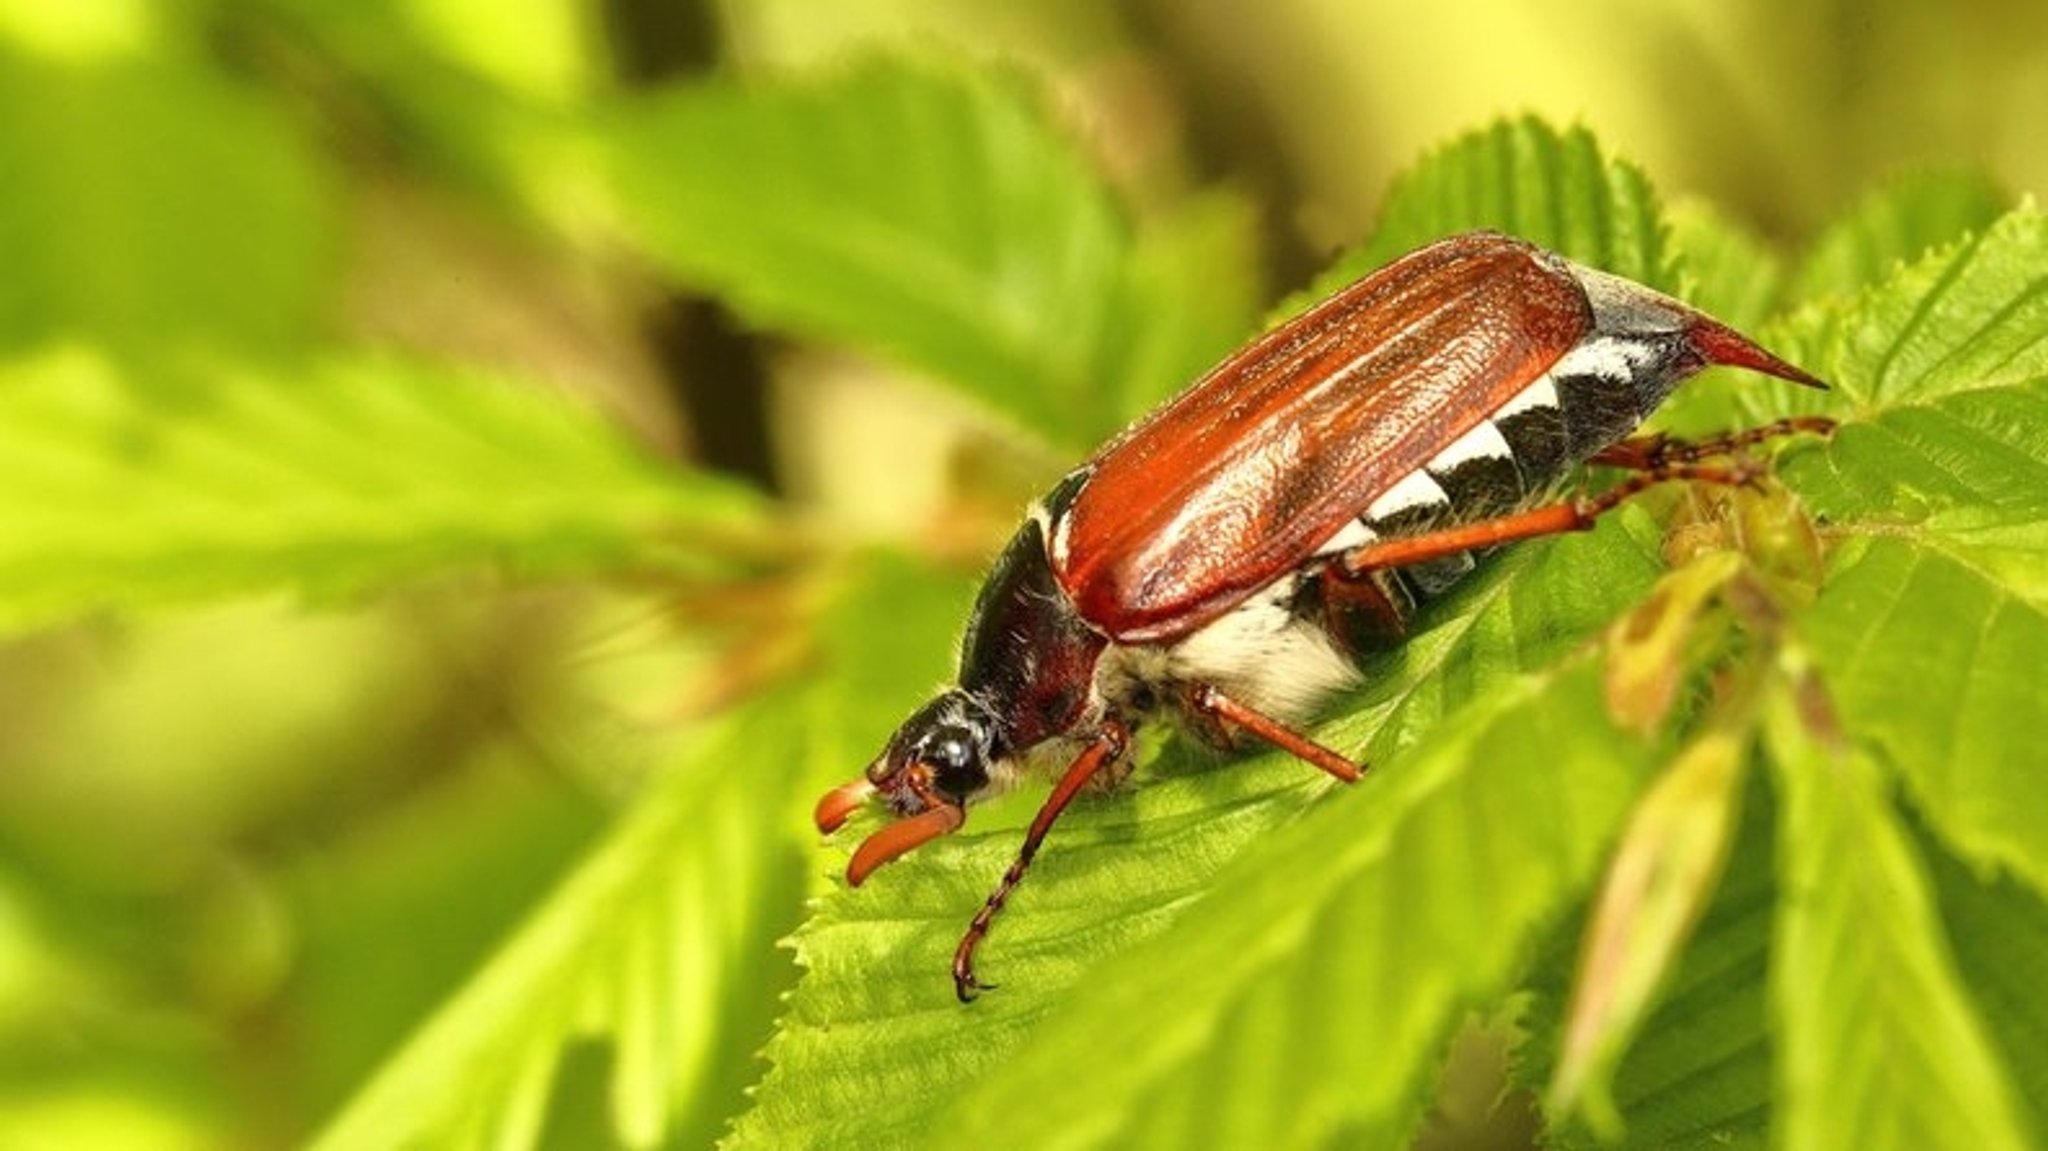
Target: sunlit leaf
{"x": 1935, "y": 664}
{"x": 114, "y": 496}
{"x": 539, "y": 47}
{"x": 1663, "y": 874}
{"x": 939, "y": 218}
{"x": 1896, "y": 225}
{"x": 1931, "y": 631}
{"x": 1970, "y": 316}
{"x": 1525, "y": 178}
{"x": 1879, "y": 1044}
{"x": 659, "y": 947}
{"x": 121, "y": 224}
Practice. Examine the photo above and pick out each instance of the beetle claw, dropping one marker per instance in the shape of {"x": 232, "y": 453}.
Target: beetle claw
{"x": 967, "y": 988}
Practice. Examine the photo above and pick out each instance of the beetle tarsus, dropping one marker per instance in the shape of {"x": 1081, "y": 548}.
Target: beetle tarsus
{"x": 1657, "y": 451}
{"x": 1107, "y": 747}
{"x": 966, "y": 987}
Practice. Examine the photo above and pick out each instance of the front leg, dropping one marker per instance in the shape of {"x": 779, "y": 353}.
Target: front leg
{"x": 1103, "y": 751}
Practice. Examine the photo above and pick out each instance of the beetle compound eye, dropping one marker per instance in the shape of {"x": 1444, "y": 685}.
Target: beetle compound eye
{"x": 955, "y": 762}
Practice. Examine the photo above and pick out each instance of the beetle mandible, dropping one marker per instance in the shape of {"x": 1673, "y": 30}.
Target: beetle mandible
{"x": 1226, "y": 559}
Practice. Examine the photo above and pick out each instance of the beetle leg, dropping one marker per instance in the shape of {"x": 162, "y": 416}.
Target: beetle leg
{"x": 1655, "y": 459}
{"x": 1209, "y": 701}
{"x": 1657, "y": 450}
{"x": 1573, "y": 515}
{"x": 1107, "y": 747}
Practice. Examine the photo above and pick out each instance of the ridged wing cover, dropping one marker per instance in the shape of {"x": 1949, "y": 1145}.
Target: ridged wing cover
{"x": 1238, "y": 479}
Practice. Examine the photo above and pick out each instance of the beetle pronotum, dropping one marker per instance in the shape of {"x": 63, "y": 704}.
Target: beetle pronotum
{"x": 1226, "y": 559}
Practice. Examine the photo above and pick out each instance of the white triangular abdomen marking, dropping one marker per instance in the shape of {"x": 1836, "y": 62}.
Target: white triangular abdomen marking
{"x": 1483, "y": 442}
{"x": 1415, "y": 490}
{"x": 1353, "y": 534}
{"x": 1541, "y": 394}
{"x": 1610, "y": 359}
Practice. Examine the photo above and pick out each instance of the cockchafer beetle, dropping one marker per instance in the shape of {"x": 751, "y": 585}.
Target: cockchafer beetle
{"x": 1226, "y": 559}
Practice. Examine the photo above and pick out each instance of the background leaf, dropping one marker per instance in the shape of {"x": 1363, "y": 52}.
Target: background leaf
{"x": 118, "y": 225}
{"x": 1930, "y": 631}
{"x": 1526, "y": 178}
{"x": 938, "y": 218}
{"x": 1727, "y": 272}
{"x": 115, "y": 496}
{"x": 657, "y": 949}
{"x": 1879, "y": 1046}
{"x": 1896, "y": 224}
{"x": 634, "y": 949}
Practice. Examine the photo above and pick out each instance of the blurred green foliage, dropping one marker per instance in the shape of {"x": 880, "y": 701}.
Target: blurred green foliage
{"x": 409, "y": 741}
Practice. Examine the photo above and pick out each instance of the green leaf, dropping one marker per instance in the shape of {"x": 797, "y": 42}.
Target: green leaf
{"x": 1725, "y": 271}
{"x": 1965, "y": 474}
{"x": 1665, "y": 870}
{"x": 636, "y": 949}
{"x": 1188, "y": 299}
{"x": 1697, "y": 1074}
{"x": 493, "y": 107}
{"x": 1931, "y": 625}
{"x": 2000, "y": 929}
{"x": 1525, "y": 178}
{"x": 1252, "y": 1017}
{"x": 1894, "y": 225}
{"x": 937, "y": 218}
{"x": 661, "y": 945}
{"x": 1879, "y": 1044}
{"x": 873, "y": 1029}
{"x": 117, "y": 497}
{"x": 121, "y": 221}
{"x": 1938, "y": 667}
{"x": 1974, "y": 315}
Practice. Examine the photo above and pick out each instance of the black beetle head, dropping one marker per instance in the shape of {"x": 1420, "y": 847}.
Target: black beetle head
{"x": 940, "y": 755}
{"x": 937, "y": 763}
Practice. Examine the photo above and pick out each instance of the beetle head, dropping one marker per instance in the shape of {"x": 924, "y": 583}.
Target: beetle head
{"x": 937, "y": 763}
